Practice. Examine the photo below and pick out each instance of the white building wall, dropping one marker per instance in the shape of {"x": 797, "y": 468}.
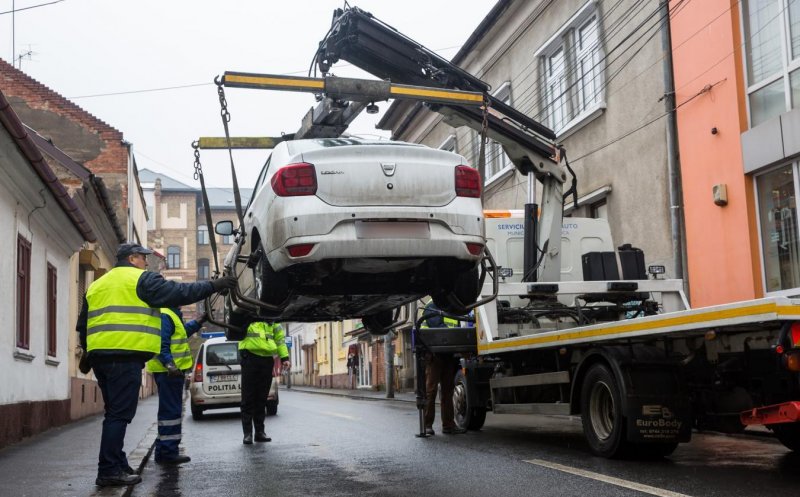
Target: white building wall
{"x": 30, "y": 375}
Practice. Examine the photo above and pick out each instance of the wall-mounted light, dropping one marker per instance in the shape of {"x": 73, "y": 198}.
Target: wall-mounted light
{"x": 720, "y": 192}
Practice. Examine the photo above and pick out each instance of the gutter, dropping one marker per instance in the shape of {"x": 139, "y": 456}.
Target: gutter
{"x": 16, "y": 129}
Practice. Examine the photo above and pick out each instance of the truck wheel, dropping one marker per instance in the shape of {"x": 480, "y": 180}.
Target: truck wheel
{"x": 197, "y": 413}
{"x": 466, "y": 417}
{"x": 601, "y": 413}
{"x": 271, "y": 287}
{"x": 788, "y": 434}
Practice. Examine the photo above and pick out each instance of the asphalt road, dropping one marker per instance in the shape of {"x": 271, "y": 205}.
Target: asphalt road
{"x": 331, "y": 446}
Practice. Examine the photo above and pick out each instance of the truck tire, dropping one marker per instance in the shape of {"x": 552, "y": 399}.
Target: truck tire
{"x": 601, "y": 413}
{"x": 197, "y": 413}
{"x": 788, "y": 434}
{"x": 271, "y": 287}
{"x": 466, "y": 417}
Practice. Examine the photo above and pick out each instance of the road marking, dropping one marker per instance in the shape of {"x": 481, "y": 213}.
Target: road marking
{"x": 660, "y": 492}
{"x": 338, "y": 415}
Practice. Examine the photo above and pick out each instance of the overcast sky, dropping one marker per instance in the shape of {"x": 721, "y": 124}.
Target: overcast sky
{"x": 91, "y": 47}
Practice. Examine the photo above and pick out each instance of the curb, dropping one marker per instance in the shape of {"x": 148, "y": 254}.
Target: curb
{"x": 333, "y": 392}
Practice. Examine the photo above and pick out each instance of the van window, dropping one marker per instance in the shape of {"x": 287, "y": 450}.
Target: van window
{"x": 222, "y": 354}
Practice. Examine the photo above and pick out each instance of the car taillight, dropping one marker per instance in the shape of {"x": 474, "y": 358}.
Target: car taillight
{"x": 295, "y": 180}
{"x": 300, "y": 250}
{"x": 198, "y": 373}
{"x": 468, "y": 182}
{"x": 475, "y": 248}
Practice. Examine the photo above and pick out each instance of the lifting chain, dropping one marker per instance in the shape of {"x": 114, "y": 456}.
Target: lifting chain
{"x": 226, "y": 118}
{"x": 198, "y": 168}
{"x": 198, "y": 175}
{"x": 484, "y": 139}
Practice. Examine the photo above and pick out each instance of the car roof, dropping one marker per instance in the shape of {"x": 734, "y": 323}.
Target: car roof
{"x": 216, "y": 340}
{"x": 302, "y": 146}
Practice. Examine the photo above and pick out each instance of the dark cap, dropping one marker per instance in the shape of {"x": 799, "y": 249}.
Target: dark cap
{"x": 126, "y": 249}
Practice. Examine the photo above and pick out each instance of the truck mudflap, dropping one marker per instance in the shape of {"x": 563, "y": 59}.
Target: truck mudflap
{"x": 657, "y": 419}
{"x": 788, "y": 412}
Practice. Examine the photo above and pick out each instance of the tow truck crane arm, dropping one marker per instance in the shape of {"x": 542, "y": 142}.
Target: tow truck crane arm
{"x": 358, "y": 37}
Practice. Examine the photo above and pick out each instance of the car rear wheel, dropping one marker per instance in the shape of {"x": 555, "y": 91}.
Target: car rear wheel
{"x": 378, "y": 324}
{"x": 197, "y": 412}
{"x": 271, "y": 287}
{"x": 460, "y": 290}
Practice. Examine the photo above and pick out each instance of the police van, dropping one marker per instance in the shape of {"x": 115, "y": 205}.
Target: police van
{"x": 216, "y": 379}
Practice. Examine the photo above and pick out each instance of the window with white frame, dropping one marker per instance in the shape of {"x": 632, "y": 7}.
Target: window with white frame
{"x": 778, "y": 225}
{"x": 772, "y": 56}
{"x": 572, "y": 71}
{"x": 202, "y": 235}
{"x": 496, "y": 159}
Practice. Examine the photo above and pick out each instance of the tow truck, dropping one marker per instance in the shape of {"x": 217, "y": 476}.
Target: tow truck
{"x": 623, "y": 351}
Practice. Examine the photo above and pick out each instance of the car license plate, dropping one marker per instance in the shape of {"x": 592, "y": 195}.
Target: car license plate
{"x": 224, "y": 377}
{"x": 381, "y": 229}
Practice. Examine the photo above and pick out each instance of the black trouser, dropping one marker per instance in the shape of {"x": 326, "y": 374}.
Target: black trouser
{"x": 119, "y": 383}
{"x": 256, "y": 380}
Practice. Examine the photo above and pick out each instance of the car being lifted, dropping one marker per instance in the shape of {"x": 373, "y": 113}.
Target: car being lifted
{"x": 341, "y": 228}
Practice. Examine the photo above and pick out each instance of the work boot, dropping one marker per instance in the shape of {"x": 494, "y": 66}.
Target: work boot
{"x": 119, "y": 480}
{"x": 248, "y": 439}
{"x": 128, "y": 470}
{"x": 173, "y": 460}
{"x": 454, "y": 430}
{"x": 429, "y": 430}
{"x": 247, "y": 428}
{"x": 262, "y": 437}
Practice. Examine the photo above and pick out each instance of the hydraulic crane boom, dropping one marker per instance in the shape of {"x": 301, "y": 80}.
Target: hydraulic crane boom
{"x": 359, "y": 38}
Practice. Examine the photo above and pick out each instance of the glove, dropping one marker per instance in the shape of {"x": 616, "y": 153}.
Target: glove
{"x": 224, "y": 283}
{"x": 172, "y": 370}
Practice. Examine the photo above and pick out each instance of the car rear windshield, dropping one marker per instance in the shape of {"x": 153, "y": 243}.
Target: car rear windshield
{"x": 222, "y": 354}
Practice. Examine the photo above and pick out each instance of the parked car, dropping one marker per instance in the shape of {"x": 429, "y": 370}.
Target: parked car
{"x": 216, "y": 380}
{"x": 341, "y": 228}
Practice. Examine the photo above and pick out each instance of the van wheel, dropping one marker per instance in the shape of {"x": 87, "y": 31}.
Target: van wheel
{"x": 271, "y": 287}
{"x": 601, "y": 413}
{"x": 468, "y": 418}
{"x": 197, "y": 413}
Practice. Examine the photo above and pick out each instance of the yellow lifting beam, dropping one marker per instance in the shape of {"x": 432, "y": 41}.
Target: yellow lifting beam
{"x": 240, "y": 142}
{"x": 363, "y": 90}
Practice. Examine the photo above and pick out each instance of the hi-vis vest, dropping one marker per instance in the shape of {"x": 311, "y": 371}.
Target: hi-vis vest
{"x": 118, "y": 319}
{"x": 265, "y": 340}
{"x": 178, "y": 347}
{"x": 448, "y": 322}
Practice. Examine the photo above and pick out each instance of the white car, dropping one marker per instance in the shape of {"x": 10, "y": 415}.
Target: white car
{"x": 341, "y": 228}
{"x": 216, "y": 379}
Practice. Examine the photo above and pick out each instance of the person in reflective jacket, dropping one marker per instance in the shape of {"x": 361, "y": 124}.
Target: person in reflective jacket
{"x": 262, "y": 342}
{"x": 120, "y": 327}
{"x": 440, "y": 369}
{"x": 169, "y": 370}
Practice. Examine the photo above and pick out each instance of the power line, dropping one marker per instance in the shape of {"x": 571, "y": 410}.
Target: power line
{"x": 31, "y": 7}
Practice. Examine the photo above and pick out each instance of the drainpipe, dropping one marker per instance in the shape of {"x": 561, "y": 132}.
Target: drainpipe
{"x": 673, "y": 159}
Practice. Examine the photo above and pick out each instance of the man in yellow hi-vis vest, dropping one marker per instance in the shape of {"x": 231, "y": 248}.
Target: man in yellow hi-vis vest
{"x": 120, "y": 327}
{"x": 169, "y": 369}
{"x": 262, "y": 342}
{"x": 440, "y": 369}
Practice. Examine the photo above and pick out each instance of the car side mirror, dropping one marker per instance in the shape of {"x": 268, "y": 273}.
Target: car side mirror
{"x": 224, "y": 228}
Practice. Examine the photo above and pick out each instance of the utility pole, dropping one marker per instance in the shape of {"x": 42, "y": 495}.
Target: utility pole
{"x": 388, "y": 355}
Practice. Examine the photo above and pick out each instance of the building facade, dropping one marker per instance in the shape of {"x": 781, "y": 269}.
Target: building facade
{"x": 584, "y": 68}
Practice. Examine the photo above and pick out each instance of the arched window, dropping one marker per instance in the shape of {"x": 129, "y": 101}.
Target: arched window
{"x": 202, "y": 269}
{"x": 202, "y": 235}
{"x": 173, "y": 257}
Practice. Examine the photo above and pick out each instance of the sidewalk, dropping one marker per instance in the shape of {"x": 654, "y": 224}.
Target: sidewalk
{"x": 63, "y": 461}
